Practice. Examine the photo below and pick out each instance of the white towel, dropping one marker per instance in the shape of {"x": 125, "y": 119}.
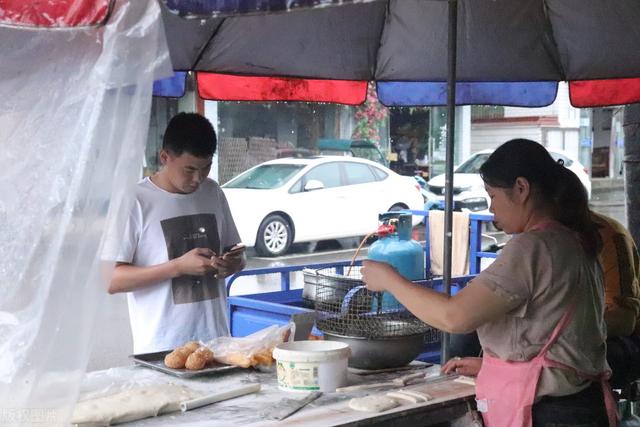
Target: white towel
{"x": 460, "y": 243}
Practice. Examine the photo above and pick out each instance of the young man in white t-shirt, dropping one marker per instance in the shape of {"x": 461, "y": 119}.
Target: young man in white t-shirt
{"x": 172, "y": 259}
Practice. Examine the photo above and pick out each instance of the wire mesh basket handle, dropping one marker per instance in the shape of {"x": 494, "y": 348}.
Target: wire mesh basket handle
{"x": 346, "y": 302}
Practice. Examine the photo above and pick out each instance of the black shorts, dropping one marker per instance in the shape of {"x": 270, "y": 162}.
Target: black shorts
{"x": 583, "y": 409}
{"x": 623, "y": 355}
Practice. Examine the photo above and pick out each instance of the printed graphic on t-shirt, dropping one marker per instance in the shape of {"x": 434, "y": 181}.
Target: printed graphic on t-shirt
{"x": 183, "y": 234}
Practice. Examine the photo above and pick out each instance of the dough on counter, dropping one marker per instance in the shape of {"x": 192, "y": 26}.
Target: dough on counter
{"x": 465, "y": 380}
{"x": 373, "y": 403}
{"x": 400, "y": 396}
{"x": 131, "y": 405}
{"x": 422, "y": 397}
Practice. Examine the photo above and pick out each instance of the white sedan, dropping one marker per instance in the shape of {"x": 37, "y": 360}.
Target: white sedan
{"x": 468, "y": 187}
{"x": 293, "y": 200}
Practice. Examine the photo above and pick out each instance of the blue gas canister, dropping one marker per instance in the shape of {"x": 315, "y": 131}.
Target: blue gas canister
{"x": 396, "y": 247}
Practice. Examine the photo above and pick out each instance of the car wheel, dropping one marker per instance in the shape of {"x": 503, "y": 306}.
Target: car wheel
{"x": 397, "y": 207}
{"x": 274, "y": 236}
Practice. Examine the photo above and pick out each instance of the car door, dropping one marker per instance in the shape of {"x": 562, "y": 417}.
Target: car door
{"x": 317, "y": 214}
{"x": 363, "y": 198}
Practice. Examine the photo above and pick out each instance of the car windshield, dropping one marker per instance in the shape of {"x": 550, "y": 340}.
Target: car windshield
{"x": 473, "y": 164}
{"x": 265, "y": 177}
{"x": 368, "y": 153}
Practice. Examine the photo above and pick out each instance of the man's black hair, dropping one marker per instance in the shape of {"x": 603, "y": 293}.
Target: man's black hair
{"x": 190, "y": 133}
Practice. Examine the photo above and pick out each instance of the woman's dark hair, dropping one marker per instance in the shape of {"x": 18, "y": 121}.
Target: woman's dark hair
{"x": 551, "y": 183}
{"x": 190, "y": 133}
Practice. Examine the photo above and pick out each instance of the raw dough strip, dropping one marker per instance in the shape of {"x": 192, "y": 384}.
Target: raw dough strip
{"x": 465, "y": 380}
{"x": 423, "y": 397}
{"x": 398, "y": 395}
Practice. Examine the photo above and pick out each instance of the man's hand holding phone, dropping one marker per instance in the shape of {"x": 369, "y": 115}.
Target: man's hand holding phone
{"x": 195, "y": 262}
{"x": 234, "y": 251}
{"x": 231, "y": 261}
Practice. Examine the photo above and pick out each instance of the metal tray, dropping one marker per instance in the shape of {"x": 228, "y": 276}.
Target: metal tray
{"x": 156, "y": 361}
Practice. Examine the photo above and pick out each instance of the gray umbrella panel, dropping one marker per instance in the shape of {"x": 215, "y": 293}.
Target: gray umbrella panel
{"x": 500, "y": 40}
{"x": 406, "y": 40}
{"x": 333, "y": 43}
{"x": 187, "y": 38}
{"x": 597, "y": 39}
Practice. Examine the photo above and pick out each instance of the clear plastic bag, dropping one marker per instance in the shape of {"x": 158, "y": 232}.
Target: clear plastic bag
{"x": 74, "y": 117}
{"x": 255, "y": 350}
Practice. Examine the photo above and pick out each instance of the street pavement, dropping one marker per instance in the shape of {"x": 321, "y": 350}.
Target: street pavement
{"x": 608, "y": 198}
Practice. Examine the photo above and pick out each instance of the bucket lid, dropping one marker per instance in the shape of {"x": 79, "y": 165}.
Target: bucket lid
{"x": 311, "y": 351}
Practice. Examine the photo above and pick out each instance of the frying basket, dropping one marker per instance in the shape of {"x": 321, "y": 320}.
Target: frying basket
{"x": 344, "y": 306}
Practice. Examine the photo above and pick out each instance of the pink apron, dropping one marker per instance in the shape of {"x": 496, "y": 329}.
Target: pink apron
{"x": 506, "y": 390}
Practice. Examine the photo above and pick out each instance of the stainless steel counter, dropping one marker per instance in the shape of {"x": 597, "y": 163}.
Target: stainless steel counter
{"x": 331, "y": 409}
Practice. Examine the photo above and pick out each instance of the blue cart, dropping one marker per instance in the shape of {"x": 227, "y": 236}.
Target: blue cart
{"x": 250, "y": 313}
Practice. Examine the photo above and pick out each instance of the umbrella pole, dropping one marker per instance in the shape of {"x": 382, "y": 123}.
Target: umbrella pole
{"x": 451, "y": 126}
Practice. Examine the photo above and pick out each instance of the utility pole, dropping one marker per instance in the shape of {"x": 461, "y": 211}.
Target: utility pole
{"x": 631, "y": 125}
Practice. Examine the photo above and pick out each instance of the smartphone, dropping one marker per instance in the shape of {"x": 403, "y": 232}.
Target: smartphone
{"x": 234, "y": 250}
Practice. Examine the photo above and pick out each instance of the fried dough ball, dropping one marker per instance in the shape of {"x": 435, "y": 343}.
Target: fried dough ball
{"x": 237, "y": 359}
{"x": 192, "y": 345}
{"x": 262, "y": 358}
{"x": 177, "y": 358}
{"x": 185, "y": 350}
{"x": 206, "y": 353}
{"x": 195, "y": 361}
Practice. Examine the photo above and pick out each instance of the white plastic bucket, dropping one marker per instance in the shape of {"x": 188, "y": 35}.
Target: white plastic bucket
{"x": 312, "y": 365}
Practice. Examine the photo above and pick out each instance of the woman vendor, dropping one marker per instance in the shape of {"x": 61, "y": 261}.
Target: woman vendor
{"x": 538, "y": 309}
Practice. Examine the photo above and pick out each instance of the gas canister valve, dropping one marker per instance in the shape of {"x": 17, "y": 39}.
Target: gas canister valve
{"x": 384, "y": 229}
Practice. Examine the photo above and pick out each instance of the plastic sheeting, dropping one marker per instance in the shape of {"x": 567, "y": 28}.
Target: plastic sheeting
{"x": 74, "y": 115}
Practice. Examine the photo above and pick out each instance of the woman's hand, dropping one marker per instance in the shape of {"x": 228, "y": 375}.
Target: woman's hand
{"x": 378, "y": 276}
{"x": 469, "y": 366}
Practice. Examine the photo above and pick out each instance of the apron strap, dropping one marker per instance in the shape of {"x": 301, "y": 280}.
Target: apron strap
{"x": 560, "y": 327}
{"x": 610, "y": 403}
{"x": 568, "y": 315}
{"x": 602, "y": 378}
